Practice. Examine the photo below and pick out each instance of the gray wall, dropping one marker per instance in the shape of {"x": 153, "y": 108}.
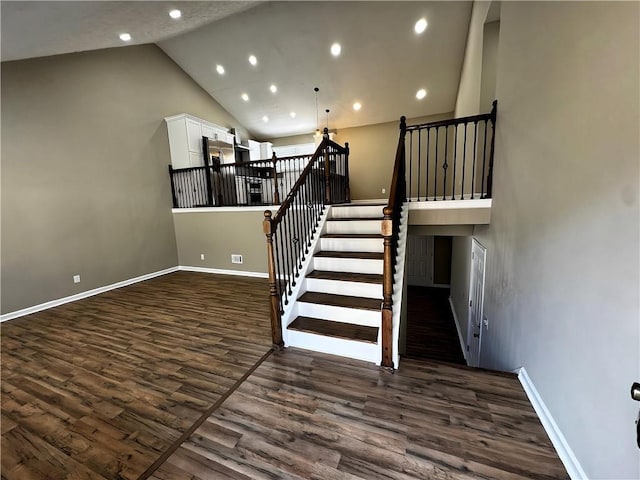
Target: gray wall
{"x": 372, "y": 154}
{"x": 562, "y": 248}
{"x": 85, "y": 188}
{"x": 217, "y": 235}
{"x": 460, "y": 271}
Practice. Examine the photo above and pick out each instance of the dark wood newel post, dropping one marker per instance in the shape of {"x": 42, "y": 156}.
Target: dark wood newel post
{"x": 174, "y": 197}
{"x": 276, "y": 192}
{"x": 217, "y": 182}
{"x": 494, "y": 111}
{"x": 276, "y": 323}
{"x": 347, "y": 192}
{"x": 387, "y": 289}
{"x": 327, "y": 169}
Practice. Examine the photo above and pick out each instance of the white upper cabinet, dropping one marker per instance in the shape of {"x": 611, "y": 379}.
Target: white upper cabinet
{"x": 260, "y": 150}
{"x": 185, "y": 140}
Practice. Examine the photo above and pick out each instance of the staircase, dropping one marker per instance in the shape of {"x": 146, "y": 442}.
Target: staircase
{"x": 339, "y": 308}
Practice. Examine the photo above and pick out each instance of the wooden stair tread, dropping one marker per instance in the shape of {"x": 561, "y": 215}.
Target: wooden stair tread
{"x": 329, "y": 328}
{"x": 353, "y": 235}
{"x": 341, "y": 300}
{"x": 346, "y": 276}
{"x": 361, "y": 255}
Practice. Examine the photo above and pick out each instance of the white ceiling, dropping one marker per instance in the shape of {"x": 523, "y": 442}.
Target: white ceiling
{"x": 37, "y": 29}
{"x": 382, "y": 65}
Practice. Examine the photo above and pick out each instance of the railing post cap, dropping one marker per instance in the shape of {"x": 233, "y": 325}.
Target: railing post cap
{"x": 267, "y": 214}
{"x": 387, "y": 211}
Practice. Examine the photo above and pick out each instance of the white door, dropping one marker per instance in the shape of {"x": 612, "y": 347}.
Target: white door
{"x": 476, "y": 303}
{"x": 419, "y": 260}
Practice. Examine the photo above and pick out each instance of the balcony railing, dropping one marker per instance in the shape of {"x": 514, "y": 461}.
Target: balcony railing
{"x": 259, "y": 182}
{"x": 450, "y": 159}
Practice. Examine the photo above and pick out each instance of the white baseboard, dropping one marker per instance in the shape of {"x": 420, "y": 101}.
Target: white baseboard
{"x": 568, "y": 458}
{"x": 81, "y": 295}
{"x": 457, "y": 322}
{"x": 220, "y": 271}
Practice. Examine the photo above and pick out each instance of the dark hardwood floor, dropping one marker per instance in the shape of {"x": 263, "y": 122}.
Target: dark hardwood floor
{"x": 431, "y": 330}
{"x": 173, "y": 379}
{"x": 304, "y": 415}
{"x": 101, "y": 387}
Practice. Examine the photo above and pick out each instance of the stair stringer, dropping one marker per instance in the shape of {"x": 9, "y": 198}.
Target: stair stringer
{"x": 399, "y": 286}
{"x": 291, "y": 309}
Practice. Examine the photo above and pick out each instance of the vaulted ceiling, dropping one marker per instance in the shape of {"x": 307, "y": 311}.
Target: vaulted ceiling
{"x": 383, "y": 62}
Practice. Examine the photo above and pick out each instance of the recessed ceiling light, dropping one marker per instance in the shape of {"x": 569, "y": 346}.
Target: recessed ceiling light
{"x": 175, "y": 14}
{"x": 220, "y": 69}
{"x": 273, "y": 89}
{"x": 420, "y": 26}
{"x": 125, "y": 37}
{"x": 336, "y": 49}
{"x": 420, "y": 94}
{"x": 265, "y": 119}
{"x": 357, "y": 106}
{"x": 245, "y": 97}
{"x": 253, "y": 60}
{"x": 293, "y": 114}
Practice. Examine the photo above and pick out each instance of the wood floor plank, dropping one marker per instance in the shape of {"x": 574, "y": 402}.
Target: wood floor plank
{"x": 310, "y": 415}
{"x": 111, "y": 381}
{"x": 115, "y": 385}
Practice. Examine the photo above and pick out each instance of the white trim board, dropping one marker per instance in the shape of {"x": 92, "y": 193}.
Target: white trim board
{"x": 220, "y": 271}
{"x": 568, "y": 458}
{"x": 449, "y": 204}
{"x": 247, "y": 208}
{"x": 81, "y": 295}
{"x": 371, "y": 200}
{"x": 457, "y": 322}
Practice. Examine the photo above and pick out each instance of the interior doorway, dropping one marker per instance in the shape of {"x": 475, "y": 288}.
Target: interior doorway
{"x": 429, "y": 260}
{"x": 430, "y": 328}
{"x": 476, "y": 303}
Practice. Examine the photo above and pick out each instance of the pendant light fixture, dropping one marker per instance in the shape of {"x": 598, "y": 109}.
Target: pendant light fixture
{"x": 328, "y": 135}
{"x": 326, "y": 130}
{"x": 317, "y": 137}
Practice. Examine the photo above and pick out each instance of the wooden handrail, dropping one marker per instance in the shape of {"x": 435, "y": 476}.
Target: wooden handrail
{"x": 277, "y": 218}
{"x": 390, "y": 230}
{"x": 453, "y": 121}
{"x": 290, "y": 230}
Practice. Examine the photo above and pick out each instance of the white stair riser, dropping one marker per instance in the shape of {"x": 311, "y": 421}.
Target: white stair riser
{"x": 352, "y": 244}
{"x": 339, "y": 287}
{"x": 374, "y": 211}
{"x": 369, "y": 352}
{"x": 355, "y": 226}
{"x": 355, "y": 316}
{"x": 350, "y": 265}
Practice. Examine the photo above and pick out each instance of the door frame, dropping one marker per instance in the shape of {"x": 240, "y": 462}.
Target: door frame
{"x": 476, "y": 249}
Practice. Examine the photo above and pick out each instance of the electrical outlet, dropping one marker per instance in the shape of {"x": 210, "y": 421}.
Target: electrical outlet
{"x": 235, "y": 258}
{"x": 76, "y": 279}
{"x": 202, "y": 256}
{"x": 384, "y": 190}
